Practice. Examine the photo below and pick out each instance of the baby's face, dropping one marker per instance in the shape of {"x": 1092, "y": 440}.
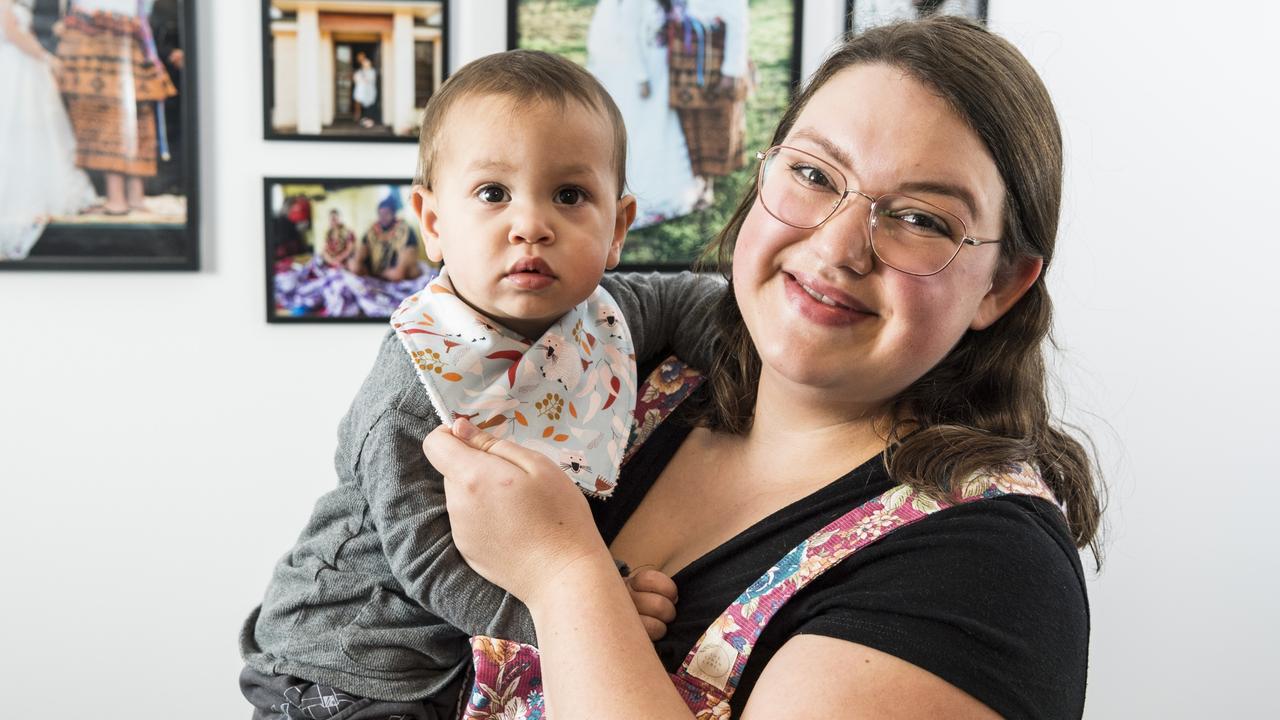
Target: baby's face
{"x": 524, "y": 208}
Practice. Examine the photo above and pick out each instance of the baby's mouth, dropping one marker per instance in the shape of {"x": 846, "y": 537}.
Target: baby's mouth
{"x": 531, "y": 266}
{"x": 530, "y": 273}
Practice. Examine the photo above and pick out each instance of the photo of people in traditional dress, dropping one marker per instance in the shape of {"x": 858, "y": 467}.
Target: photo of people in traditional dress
{"x": 863, "y": 14}
{"x": 342, "y": 249}
{"x": 700, "y": 83}
{"x": 351, "y": 69}
{"x": 91, "y": 132}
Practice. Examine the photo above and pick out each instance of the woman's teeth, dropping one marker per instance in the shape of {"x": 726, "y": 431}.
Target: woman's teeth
{"x": 820, "y": 297}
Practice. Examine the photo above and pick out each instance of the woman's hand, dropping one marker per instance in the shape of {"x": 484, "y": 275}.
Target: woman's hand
{"x": 516, "y": 518}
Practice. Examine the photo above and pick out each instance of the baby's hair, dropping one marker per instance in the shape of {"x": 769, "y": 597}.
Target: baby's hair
{"x": 521, "y": 76}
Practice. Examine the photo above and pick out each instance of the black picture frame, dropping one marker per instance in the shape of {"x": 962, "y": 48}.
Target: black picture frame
{"x": 674, "y": 243}
{"x": 338, "y": 130}
{"x": 972, "y": 9}
{"x": 164, "y": 234}
{"x": 289, "y": 264}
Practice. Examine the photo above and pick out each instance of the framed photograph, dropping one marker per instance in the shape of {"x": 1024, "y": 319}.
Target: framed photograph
{"x": 863, "y": 14}
{"x": 341, "y": 250}
{"x": 701, "y": 85}
{"x": 98, "y": 145}
{"x": 351, "y": 69}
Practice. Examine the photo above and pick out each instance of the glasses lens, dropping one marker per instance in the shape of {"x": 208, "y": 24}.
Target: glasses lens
{"x": 798, "y": 188}
{"x": 914, "y": 236}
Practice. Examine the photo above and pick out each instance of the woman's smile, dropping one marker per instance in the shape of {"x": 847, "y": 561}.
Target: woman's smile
{"x": 822, "y": 304}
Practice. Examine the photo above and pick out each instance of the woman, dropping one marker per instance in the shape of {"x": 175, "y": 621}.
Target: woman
{"x": 113, "y": 82}
{"x": 627, "y": 51}
{"x": 40, "y": 178}
{"x": 855, "y": 355}
{"x": 365, "y": 92}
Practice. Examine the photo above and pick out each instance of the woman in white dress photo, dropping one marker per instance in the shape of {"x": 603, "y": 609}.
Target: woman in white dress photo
{"x": 365, "y": 92}
{"x": 38, "y": 176}
{"x": 626, "y": 50}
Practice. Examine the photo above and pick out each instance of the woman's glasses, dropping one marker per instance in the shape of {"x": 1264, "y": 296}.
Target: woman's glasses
{"x": 908, "y": 235}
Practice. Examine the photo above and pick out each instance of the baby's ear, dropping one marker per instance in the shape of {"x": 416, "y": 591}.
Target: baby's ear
{"x": 424, "y": 206}
{"x": 622, "y": 221}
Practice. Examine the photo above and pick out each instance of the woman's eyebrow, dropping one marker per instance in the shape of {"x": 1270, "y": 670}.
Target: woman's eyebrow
{"x": 831, "y": 149}
{"x": 959, "y": 192}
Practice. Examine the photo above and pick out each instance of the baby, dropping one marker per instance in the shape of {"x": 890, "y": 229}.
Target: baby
{"x": 520, "y": 192}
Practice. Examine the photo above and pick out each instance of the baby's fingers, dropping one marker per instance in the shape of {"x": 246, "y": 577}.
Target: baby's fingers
{"x": 653, "y": 581}
{"x": 654, "y": 606}
{"x": 655, "y": 629}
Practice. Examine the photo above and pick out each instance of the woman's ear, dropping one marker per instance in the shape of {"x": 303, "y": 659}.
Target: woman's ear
{"x": 424, "y": 206}
{"x": 1007, "y": 287}
{"x": 621, "y": 222}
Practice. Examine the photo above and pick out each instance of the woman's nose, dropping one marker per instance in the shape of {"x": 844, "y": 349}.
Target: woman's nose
{"x": 844, "y": 240}
{"x": 530, "y": 225}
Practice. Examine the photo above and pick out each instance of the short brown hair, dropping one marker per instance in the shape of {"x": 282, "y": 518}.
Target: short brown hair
{"x": 523, "y": 76}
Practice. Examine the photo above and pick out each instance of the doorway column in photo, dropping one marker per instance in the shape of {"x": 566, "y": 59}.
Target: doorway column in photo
{"x": 308, "y": 70}
{"x": 400, "y": 110}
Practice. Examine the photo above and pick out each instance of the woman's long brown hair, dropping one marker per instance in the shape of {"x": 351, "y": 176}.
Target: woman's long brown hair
{"x": 986, "y": 403}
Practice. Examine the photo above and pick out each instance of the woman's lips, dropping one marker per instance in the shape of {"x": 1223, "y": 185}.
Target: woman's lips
{"x": 821, "y": 303}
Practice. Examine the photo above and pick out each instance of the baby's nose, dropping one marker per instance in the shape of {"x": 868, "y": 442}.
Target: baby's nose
{"x": 531, "y": 226}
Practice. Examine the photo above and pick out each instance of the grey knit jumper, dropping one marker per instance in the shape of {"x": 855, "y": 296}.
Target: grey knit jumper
{"x": 374, "y": 598}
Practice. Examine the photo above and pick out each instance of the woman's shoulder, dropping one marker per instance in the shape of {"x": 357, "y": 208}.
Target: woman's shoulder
{"x": 990, "y": 596}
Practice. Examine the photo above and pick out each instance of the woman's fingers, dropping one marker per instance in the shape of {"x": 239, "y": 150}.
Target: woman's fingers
{"x": 466, "y": 449}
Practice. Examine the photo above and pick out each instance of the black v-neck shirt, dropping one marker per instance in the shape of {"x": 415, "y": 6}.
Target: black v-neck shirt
{"x": 989, "y": 596}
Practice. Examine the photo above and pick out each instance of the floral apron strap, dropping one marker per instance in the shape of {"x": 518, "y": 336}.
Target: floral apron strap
{"x": 667, "y": 386}
{"x": 711, "y": 671}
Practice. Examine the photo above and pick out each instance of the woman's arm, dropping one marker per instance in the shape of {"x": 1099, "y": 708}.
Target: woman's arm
{"x": 594, "y": 650}
{"x": 812, "y": 674}
{"x": 595, "y": 653}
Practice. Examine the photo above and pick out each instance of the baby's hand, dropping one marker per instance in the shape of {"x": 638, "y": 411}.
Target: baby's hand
{"x": 655, "y": 597}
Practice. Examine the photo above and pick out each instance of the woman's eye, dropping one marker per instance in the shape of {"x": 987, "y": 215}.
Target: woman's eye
{"x": 812, "y": 176}
{"x": 923, "y": 223}
{"x": 570, "y": 196}
{"x": 493, "y": 194}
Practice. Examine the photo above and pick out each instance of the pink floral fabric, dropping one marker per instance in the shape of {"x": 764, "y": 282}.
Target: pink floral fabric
{"x": 508, "y": 679}
{"x": 710, "y": 672}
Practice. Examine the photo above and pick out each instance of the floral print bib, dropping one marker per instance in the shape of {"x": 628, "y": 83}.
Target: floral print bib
{"x": 567, "y": 395}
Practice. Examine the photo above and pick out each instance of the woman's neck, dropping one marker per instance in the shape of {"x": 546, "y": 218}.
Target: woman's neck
{"x": 804, "y": 422}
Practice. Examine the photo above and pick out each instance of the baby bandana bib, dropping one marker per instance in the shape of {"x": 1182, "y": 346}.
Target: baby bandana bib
{"x": 568, "y": 395}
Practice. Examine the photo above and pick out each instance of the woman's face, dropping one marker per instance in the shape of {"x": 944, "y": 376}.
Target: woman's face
{"x": 886, "y": 132}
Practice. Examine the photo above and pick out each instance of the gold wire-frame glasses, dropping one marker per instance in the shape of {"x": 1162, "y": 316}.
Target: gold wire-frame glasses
{"x": 907, "y": 234}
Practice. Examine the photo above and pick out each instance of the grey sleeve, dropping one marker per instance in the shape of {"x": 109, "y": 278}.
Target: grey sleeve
{"x": 406, "y": 500}
{"x": 380, "y": 449}
{"x": 669, "y": 310}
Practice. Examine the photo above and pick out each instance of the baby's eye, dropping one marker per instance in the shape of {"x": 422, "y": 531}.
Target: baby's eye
{"x": 571, "y": 196}
{"x": 493, "y": 194}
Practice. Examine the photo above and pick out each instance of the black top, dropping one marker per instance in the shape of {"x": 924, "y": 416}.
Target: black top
{"x": 989, "y": 596}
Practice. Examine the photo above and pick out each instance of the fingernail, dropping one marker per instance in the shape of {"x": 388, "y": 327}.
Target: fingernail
{"x": 462, "y": 428}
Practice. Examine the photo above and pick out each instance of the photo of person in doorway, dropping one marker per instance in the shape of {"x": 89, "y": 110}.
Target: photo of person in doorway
{"x": 365, "y": 93}
{"x": 351, "y": 70}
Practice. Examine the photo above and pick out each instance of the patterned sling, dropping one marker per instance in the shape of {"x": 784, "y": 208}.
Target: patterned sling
{"x": 508, "y": 681}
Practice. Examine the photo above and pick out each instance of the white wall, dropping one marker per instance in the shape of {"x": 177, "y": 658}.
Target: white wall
{"x": 161, "y": 445}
